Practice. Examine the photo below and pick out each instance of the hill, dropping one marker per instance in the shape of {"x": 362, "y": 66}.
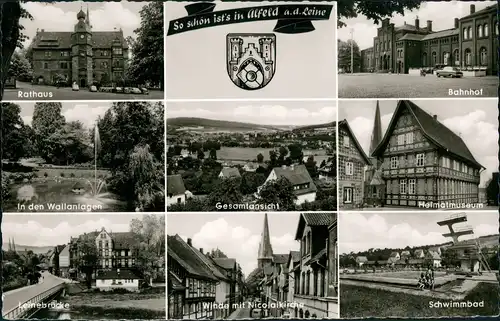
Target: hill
{"x": 311, "y": 127}
{"x": 211, "y": 124}
{"x": 35, "y": 249}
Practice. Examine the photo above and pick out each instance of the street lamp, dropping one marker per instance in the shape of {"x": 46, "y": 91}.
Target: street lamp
{"x": 352, "y": 52}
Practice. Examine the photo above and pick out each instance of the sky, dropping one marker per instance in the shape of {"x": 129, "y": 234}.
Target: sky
{"x": 288, "y": 113}
{"x": 401, "y": 229}
{"x": 51, "y": 230}
{"x": 237, "y": 234}
{"x": 474, "y": 120}
{"x": 87, "y": 112}
{"x": 61, "y": 16}
{"x": 196, "y": 60}
{"x": 442, "y": 14}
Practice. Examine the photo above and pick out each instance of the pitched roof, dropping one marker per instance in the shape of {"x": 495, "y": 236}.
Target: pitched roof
{"x": 313, "y": 220}
{"x": 361, "y": 259}
{"x": 441, "y": 34}
{"x": 225, "y": 263}
{"x": 433, "y": 130}
{"x": 211, "y": 265}
{"x": 118, "y": 274}
{"x": 412, "y": 36}
{"x": 175, "y": 282}
{"x": 482, "y": 11}
{"x": 123, "y": 240}
{"x": 46, "y": 40}
{"x": 280, "y": 258}
{"x": 296, "y": 175}
{"x": 345, "y": 125}
{"x": 418, "y": 252}
{"x": 230, "y": 172}
{"x": 294, "y": 256}
{"x": 181, "y": 252}
{"x": 409, "y": 27}
{"x": 394, "y": 254}
{"x": 434, "y": 255}
{"x": 175, "y": 185}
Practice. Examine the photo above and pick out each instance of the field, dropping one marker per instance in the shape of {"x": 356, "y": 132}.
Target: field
{"x": 363, "y": 302}
{"x": 250, "y": 154}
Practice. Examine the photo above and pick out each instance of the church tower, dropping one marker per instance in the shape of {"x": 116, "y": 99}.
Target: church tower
{"x": 374, "y": 183}
{"x": 10, "y": 245}
{"x": 265, "y": 256}
{"x": 81, "y": 51}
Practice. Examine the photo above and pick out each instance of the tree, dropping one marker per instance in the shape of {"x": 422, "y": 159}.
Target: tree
{"x": 226, "y": 191}
{"x": 149, "y": 248}
{"x": 260, "y": 158}
{"x": 213, "y": 154}
{"x": 251, "y": 181}
{"x": 12, "y": 36}
{"x": 20, "y": 66}
{"x": 47, "y": 120}
{"x": 373, "y": 10}
{"x": 278, "y": 192}
{"x": 200, "y": 154}
{"x": 311, "y": 166}
{"x": 86, "y": 262}
{"x": 344, "y": 55}
{"x": 296, "y": 153}
{"x": 15, "y": 140}
{"x": 147, "y": 51}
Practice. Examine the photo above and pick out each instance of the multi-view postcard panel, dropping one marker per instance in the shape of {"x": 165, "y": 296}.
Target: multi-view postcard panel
{"x": 81, "y": 157}
{"x": 418, "y": 154}
{"x": 88, "y": 51}
{"x": 82, "y": 266}
{"x": 258, "y": 265}
{"x": 419, "y": 264}
{"x": 251, "y": 50}
{"x": 236, "y": 156}
{"x": 439, "y": 49}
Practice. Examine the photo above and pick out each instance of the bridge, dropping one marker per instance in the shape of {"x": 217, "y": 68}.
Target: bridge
{"x": 21, "y": 303}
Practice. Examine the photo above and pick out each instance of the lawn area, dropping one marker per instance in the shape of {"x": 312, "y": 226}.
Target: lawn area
{"x": 363, "y": 302}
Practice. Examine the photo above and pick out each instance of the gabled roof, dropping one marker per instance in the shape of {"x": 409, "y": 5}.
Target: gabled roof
{"x": 294, "y": 256}
{"x": 441, "y": 34}
{"x": 118, "y": 274}
{"x": 432, "y": 129}
{"x": 480, "y": 12}
{"x": 434, "y": 255}
{"x": 225, "y": 263}
{"x": 230, "y": 172}
{"x": 418, "y": 252}
{"x": 412, "y": 36}
{"x": 345, "y": 125}
{"x": 394, "y": 254}
{"x": 47, "y": 40}
{"x": 280, "y": 258}
{"x": 361, "y": 259}
{"x": 181, "y": 252}
{"x": 175, "y": 185}
{"x": 296, "y": 175}
{"x": 123, "y": 240}
{"x": 313, "y": 220}
{"x": 216, "y": 270}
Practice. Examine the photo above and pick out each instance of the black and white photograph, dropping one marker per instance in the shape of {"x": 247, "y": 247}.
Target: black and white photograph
{"x": 418, "y": 154}
{"x": 87, "y": 51}
{"x": 81, "y": 157}
{"x": 419, "y": 50}
{"x": 240, "y": 156}
{"x": 83, "y": 266}
{"x": 241, "y": 50}
{"x": 419, "y": 264}
{"x": 253, "y": 266}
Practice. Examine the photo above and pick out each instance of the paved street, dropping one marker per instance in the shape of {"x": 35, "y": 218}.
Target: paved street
{"x": 241, "y": 313}
{"x": 67, "y": 94}
{"x": 19, "y": 296}
{"x": 405, "y": 86}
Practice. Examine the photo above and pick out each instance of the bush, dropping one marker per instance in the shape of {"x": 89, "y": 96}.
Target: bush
{"x": 72, "y": 175}
{"x": 62, "y": 174}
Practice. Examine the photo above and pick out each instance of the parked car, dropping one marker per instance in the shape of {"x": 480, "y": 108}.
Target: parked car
{"x": 449, "y": 72}
{"x": 128, "y": 90}
{"x": 75, "y": 87}
{"x": 145, "y": 91}
{"x": 119, "y": 89}
{"x": 93, "y": 89}
{"x": 136, "y": 90}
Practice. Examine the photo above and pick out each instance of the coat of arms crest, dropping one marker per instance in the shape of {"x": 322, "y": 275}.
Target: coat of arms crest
{"x": 251, "y": 59}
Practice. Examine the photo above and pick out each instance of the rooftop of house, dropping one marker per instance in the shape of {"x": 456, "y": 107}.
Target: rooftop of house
{"x": 60, "y": 40}
{"x": 175, "y": 185}
{"x": 313, "y": 220}
{"x": 230, "y": 172}
{"x": 118, "y": 274}
{"x": 297, "y": 175}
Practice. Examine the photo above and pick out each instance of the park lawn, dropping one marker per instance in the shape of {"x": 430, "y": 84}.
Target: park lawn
{"x": 363, "y": 302}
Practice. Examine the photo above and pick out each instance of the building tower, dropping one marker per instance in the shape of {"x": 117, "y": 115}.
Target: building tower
{"x": 468, "y": 252}
{"x": 374, "y": 184}
{"x": 81, "y": 51}
{"x": 265, "y": 255}
{"x": 10, "y": 245}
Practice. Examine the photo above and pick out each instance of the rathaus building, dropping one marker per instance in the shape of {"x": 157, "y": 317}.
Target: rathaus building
{"x": 471, "y": 44}
{"x": 83, "y": 56}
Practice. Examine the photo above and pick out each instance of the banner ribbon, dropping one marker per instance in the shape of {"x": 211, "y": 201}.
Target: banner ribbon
{"x": 292, "y": 18}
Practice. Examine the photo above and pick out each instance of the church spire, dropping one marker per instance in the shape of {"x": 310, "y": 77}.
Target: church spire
{"x": 87, "y": 20}
{"x": 265, "y": 248}
{"x": 13, "y": 245}
{"x": 10, "y": 245}
{"x": 377, "y": 130}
